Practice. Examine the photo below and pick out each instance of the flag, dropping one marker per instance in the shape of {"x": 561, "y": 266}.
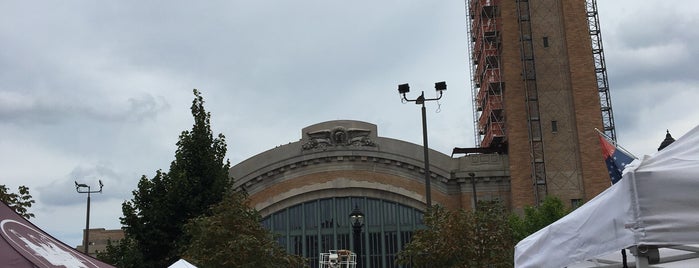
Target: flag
{"x": 615, "y": 158}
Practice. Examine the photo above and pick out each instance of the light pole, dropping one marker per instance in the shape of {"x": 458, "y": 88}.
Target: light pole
{"x": 440, "y": 87}
{"x": 473, "y": 184}
{"x": 80, "y": 188}
{"x": 357, "y": 221}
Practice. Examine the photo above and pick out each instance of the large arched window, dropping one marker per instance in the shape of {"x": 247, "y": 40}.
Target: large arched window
{"x": 321, "y": 225}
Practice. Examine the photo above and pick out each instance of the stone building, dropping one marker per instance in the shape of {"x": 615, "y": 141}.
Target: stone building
{"x": 305, "y": 190}
{"x": 99, "y": 237}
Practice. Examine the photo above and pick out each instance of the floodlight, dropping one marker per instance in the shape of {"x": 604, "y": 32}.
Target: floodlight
{"x": 440, "y": 86}
{"x": 403, "y": 88}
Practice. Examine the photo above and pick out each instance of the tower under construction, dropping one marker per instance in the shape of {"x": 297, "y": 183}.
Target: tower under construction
{"x": 539, "y": 90}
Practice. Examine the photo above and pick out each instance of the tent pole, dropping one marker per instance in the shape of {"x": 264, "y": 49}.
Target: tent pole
{"x": 642, "y": 261}
{"x": 642, "y": 258}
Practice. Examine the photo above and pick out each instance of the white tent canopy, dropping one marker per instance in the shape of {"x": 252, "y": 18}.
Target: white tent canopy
{"x": 655, "y": 203}
{"x": 182, "y": 264}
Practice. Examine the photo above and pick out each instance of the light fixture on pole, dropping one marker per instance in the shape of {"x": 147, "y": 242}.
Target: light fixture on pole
{"x": 473, "y": 184}
{"x": 357, "y": 221}
{"x": 80, "y": 188}
{"x": 440, "y": 87}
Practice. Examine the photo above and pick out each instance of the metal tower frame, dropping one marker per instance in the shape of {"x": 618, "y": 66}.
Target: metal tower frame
{"x": 600, "y": 69}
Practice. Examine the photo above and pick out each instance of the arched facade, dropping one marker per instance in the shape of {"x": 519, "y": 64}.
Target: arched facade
{"x": 300, "y": 187}
{"x": 323, "y": 224}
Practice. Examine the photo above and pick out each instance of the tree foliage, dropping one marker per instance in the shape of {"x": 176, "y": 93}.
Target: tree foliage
{"x": 459, "y": 238}
{"x": 481, "y": 238}
{"x": 122, "y": 253}
{"x": 535, "y": 218}
{"x": 20, "y": 202}
{"x": 153, "y": 220}
{"x": 233, "y": 237}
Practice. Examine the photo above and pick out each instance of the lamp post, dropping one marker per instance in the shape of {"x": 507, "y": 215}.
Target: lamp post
{"x": 440, "y": 87}
{"x": 473, "y": 184}
{"x": 80, "y": 188}
{"x": 357, "y": 221}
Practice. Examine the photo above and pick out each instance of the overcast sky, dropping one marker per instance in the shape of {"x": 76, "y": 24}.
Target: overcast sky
{"x": 101, "y": 90}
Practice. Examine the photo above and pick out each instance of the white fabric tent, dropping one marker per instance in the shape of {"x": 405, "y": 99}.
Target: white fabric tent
{"x": 182, "y": 264}
{"x": 655, "y": 203}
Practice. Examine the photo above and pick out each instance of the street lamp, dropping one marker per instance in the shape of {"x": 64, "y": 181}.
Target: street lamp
{"x": 357, "y": 221}
{"x": 440, "y": 87}
{"x": 473, "y": 184}
{"x": 80, "y": 188}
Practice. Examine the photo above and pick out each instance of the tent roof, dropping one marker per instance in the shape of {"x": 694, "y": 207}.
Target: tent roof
{"x": 655, "y": 203}
{"x": 22, "y": 244}
{"x": 674, "y": 256}
{"x": 182, "y": 264}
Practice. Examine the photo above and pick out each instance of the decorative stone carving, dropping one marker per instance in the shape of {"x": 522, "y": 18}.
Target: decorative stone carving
{"x": 338, "y": 136}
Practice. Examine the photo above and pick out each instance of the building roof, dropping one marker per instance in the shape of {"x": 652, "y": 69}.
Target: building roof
{"x": 667, "y": 141}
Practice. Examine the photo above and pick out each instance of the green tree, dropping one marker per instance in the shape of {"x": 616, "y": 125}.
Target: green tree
{"x": 122, "y": 253}
{"x": 233, "y": 237}
{"x": 459, "y": 238}
{"x": 153, "y": 220}
{"x": 19, "y": 202}
{"x": 535, "y": 218}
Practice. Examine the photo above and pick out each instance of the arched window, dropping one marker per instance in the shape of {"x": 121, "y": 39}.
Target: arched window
{"x": 321, "y": 225}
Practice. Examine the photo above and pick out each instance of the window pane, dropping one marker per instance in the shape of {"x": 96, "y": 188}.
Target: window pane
{"x": 373, "y": 213}
{"x": 296, "y": 245}
{"x": 342, "y": 209}
{"x": 406, "y": 216}
{"x": 418, "y": 217}
{"x": 343, "y": 241}
{"x": 374, "y": 249}
{"x": 279, "y": 220}
{"x": 295, "y": 217}
{"x": 391, "y": 240}
{"x": 267, "y": 222}
{"x": 312, "y": 252}
{"x": 389, "y": 214}
{"x": 311, "y": 215}
{"x": 326, "y": 214}
{"x": 326, "y": 243}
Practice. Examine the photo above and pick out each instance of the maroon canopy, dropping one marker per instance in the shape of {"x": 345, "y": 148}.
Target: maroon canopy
{"x": 22, "y": 244}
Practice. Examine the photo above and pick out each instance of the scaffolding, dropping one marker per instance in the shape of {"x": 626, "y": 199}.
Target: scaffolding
{"x": 338, "y": 259}
{"x": 487, "y": 83}
{"x": 474, "y": 90}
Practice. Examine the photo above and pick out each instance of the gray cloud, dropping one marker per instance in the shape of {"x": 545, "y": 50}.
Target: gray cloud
{"x": 22, "y": 108}
{"x": 650, "y": 51}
